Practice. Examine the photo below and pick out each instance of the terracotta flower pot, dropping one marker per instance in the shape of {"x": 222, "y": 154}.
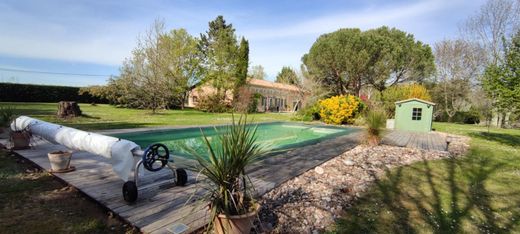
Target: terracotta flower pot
{"x": 60, "y": 160}
{"x": 20, "y": 140}
{"x": 235, "y": 224}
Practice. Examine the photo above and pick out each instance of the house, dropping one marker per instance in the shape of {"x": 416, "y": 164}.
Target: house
{"x": 414, "y": 115}
{"x": 274, "y": 97}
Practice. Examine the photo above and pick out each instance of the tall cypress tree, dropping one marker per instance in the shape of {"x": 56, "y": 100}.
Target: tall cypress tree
{"x": 242, "y": 64}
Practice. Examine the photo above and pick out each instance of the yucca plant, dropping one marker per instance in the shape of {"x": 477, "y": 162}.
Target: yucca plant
{"x": 376, "y": 121}
{"x": 6, "y": 115}
{"x": 230, "y": 191}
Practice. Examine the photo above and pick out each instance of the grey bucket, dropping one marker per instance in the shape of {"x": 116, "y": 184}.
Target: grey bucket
{"x": 59, "y": 160}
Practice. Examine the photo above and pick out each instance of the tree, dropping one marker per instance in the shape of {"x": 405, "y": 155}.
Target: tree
{"x": 163, "y": 66}
{"x": 257, "y": 72}
{"x": 338, "y": 61}
{"x": 396, "y": 57}
{"x": 287, "y": 76}
{"x": 459, "y": 64}
{"x": 346, "y": 60}
{"x": 502, "y": 82}
{"x": 220, "y": 51}
{"x": 497, "y": 19}
{"x": 181, "y": 64}
{"x": 242, "y": 65}
{"x": 402, "y": 92}
{"x": 491, "y": 27}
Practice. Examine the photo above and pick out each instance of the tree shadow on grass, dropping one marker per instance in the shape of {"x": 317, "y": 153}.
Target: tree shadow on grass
{"x": 507, "y": 139}
{"x": 448, "y": 196}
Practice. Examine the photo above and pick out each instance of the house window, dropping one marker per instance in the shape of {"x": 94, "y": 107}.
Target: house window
{"x": 416, "y": 113}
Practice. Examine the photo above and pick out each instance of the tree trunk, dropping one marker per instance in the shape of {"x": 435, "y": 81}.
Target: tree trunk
{"x": 68, "y": 109}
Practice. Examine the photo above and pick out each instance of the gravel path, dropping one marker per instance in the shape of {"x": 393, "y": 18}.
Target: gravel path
{"x": 313, "y": 200}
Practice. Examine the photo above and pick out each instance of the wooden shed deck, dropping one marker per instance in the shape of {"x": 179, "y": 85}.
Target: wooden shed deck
{"x": 418, "y": 140}
{"x": 158, "y": 209}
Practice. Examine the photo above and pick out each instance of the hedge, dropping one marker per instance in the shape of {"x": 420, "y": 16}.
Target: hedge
{"x": 10, "y": 92}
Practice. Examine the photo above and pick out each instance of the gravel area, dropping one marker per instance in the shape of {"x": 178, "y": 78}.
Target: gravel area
{"x": 312, "y": 201}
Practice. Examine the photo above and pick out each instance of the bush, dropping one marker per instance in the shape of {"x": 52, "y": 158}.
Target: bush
{"x": 402, "y": 92}
{"x": 6, "y": 115}
{"x": 213, "y": 103}
{"x": 246, "y": 101}
{"x": 340, "y": 109}
{"x": 375, "y": 121}
{"x": 467, "y": 117}
{"x": 10, "y": 92}
{"x": 309, "y": 112}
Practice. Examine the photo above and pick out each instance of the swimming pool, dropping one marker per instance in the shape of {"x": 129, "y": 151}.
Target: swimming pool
{"x": 277, "y": 136}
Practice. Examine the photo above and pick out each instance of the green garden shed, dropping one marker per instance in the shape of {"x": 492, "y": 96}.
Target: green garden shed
{"x": 414, "y": 115}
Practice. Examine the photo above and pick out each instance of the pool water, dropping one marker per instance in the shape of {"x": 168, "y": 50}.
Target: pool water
{"x": 275, "y": 136}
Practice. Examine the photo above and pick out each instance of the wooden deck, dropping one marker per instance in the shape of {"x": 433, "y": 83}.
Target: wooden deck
{"x": 158, "y": 209}
{"x": 426, "y": 141}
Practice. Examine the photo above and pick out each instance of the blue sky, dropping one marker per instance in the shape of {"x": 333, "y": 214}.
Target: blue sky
{"x": 93, "y": 37}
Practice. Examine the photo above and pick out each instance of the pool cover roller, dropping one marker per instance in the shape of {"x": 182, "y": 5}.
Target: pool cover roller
{"x": 119, "y": 151}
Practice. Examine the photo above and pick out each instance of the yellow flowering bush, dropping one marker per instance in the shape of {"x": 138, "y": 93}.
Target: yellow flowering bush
{"x": 339, "y": 109}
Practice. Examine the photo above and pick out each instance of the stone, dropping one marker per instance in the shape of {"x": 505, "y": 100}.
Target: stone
{"x": 319, "y": 170}
{"x": 348, "y": 162}
{"x": 310, "y": 202}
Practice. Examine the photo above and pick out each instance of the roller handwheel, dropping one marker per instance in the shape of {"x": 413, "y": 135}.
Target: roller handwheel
{"x": 155, "y": 153}
{"x": 130, "y": 192}
{"x": 182, "y": 177}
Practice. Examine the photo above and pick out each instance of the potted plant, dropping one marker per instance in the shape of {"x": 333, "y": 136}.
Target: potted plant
{"x": 230, "y": 191}
{"x": 6, "y": 115}
{"x": 376, "y": 121}
{"x": 60, "y": 161}
{"x": 20, "y": 138}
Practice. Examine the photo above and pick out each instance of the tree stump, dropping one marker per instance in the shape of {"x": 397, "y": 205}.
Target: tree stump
{"x": 68, "y": 109}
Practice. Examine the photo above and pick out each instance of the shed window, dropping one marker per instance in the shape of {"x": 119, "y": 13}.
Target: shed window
{"x": 416, "y": 113}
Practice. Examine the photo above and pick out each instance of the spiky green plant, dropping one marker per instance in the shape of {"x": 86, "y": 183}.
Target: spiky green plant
{"x": 376, "y": 121}
{"x": 6, "y": 115}
{"x": 230, "y": 190}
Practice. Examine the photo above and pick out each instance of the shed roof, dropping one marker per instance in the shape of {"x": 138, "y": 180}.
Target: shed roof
{"x": 415, "y": 99}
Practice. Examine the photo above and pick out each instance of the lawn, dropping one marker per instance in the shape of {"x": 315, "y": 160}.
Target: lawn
{"x": 477, "y": 193}
{"x": 32, "y": 201}
{"x": 111, "y": 117}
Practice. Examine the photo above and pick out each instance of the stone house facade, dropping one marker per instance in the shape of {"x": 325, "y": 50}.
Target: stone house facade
{"x": 274, "y": 97}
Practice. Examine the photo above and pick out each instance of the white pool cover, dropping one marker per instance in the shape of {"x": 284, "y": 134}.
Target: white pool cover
{"x": 119, "y": 151}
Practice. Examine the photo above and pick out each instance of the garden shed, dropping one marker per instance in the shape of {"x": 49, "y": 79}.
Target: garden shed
{"x": 414, "y": 115}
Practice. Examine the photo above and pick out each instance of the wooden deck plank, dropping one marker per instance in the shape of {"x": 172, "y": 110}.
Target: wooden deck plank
{"x": 426, "y": 141}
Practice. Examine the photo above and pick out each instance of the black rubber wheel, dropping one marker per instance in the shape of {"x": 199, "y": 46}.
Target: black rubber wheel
{"x": 130, "y": 191}
{"x": 182, "y": 177}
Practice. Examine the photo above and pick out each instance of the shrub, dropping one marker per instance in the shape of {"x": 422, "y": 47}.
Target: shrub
{"x": 213, "y": 103}
{"x": 340, "y": 109}
{"x": 6, "y": 115}
{"x": 310, "y": 112}
{"x": 402, "y": 92}
{"x": 246, "y": 101}
{"x": 375, "y": 121}
{"x": 10, "y": 92}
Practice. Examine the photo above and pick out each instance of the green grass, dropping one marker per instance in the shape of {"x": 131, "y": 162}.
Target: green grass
{"x": 32, "y": 201}
{"x": 111, "y": 117}
{"x": 476, "y": 193}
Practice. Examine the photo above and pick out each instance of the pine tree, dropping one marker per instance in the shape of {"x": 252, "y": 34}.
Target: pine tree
{"x": 287, "y": 76}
